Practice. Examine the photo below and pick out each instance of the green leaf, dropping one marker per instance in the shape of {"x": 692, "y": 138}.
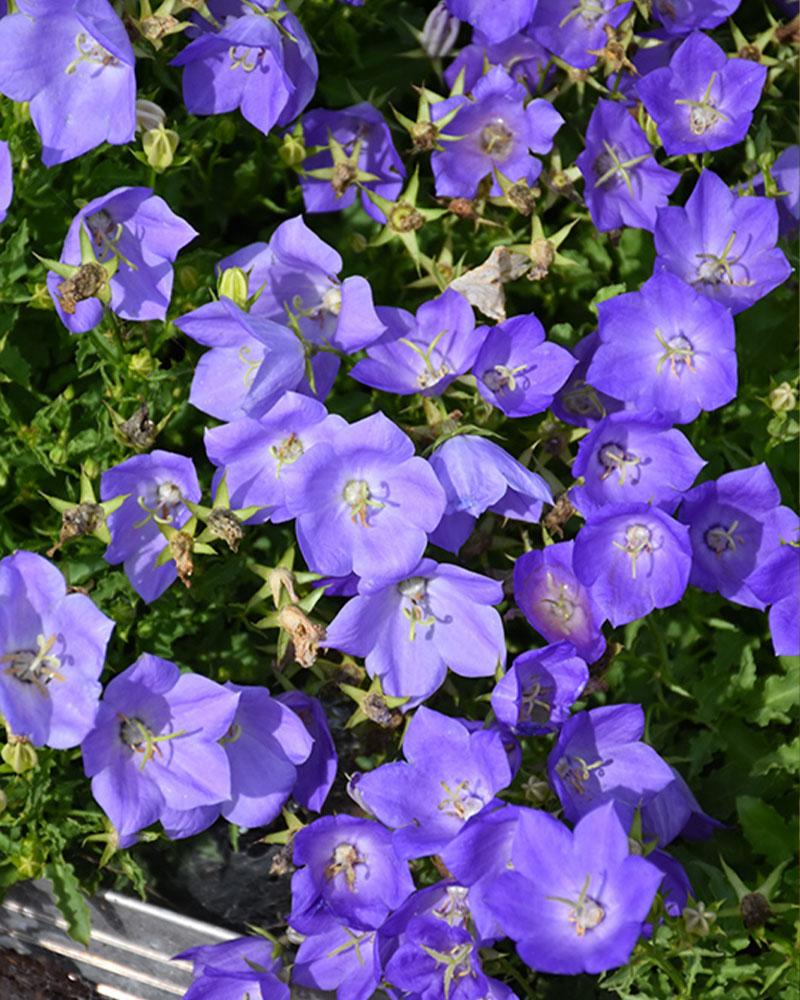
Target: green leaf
{"x": 70, "y": 899}
{"x": 780, "y": 694}
{"x": 767, "y": 832}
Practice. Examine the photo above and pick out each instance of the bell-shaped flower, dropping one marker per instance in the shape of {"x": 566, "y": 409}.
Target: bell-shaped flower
{"x": 626, "y": 458}
{"x": 348, "y": 871}
{"x": 338, "y": 958}
{"x": 422, "y": 353}
{"x": 257, "y": 59}
{"x": 252, "y": 363}
{"x": 6, "y": 179}
{"x": 579, "y": 402}
{"x": 478, "y": 475}
{"x": 575, "y": 30}
{"x": 253, "y": 454}
{"x": 523, "y": 58}
{"x": 410, "y": 632}
{"x": 776, "y": 582}
{"x": 73, "y": 61}
{"x": 577, "y": 900}
{"x": 448, "y": 776}
{"x": 364, "y": 502}
{"x": 156, "y": 485}
{"x": 679, "y": 17}
{"x": 539, "y": 689}
{"x": 786, "y": 174}
{"x": 493, "y": 131}
{"x": 243, "y": 967}
{"x": 316, "y": 774}
{"x": 624, "y": 184}
{"x": 703, "y": 100}
{"x": 555, "y": 602}
{"x": 155, "y": 744}
{"x": 351, "y": 151}
{"x": 722, "y": 244}
{"x": 666, "y": 348}
{"x": 517, "y": 370}
{"x": 52, "y": 650}
{"x": 633, "y": 558}
{"x": 493, "y": 22}
{"x": 296, "y": 274}
{"x": 735, "y": 524}
{"x": 599, "y": 757}
{"x": 136, "y": 237}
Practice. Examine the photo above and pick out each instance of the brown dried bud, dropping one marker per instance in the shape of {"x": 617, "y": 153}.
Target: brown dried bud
{"x": 424, "y": 136}
{"x": 543, "y": 253}
{"x": 154, "y": 28}
{"x": 521, "y": 197}
{"x": 788, "y": 34}
{"x": 181, "y": 546}
{"x": 462, "y": 207}
{"x": 281, "y": 863}
{"x": 406, "y": 219}
{"x": 77, "y": 521}
{"x": 343, "y": 176}
{"x": 139, "y": 430}
{"x": 305, "y": 634}
{"x": 282, "y": 578}
{"x": 555, "y": 519}
{"x": 751, "y": 52}
{"x": 85, "y": 283}
{"x": 376, "y": 710}
{"x": 755, "y": 910}
{"x": 226, "y": 525}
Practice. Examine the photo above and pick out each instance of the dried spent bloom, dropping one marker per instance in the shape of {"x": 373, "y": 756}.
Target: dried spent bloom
{"x": 155, "y": 744}
{"x": 666, "y": 348}
{"x": 142, "y": 236}
{"x": 575, "y": 901}
{"x": 721, "y": 244}
{"x": 73, "y": 61}
{"x": 703, "y": 100}
{"x": 52, "y": 650}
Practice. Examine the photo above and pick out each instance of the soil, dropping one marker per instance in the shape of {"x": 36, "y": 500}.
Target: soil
{"x": 41, "y": 977}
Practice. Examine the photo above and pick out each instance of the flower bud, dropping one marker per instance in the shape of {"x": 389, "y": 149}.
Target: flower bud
{"x": 148, "y": 115}
{"x": 698, "y": 920}
{"x": 159, "y": 147}
{"x": 232, "y": 284}
{"x": 782, "y": 399}
{"x": 292, "y": 150}
{"x": 19, "y": 754}
{"x": 439, "y": 32}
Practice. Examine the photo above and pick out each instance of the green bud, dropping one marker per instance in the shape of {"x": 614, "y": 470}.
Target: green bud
{"x": 226, "y": 129}
{"x": 292, "y": 150}
{"x": 159, "y": 147}
{"x": 142, "y": 363}
{"x": 233, "y": 285}
{"x": 698, "y": 920}
{"x": 19, "y": 755}
{"x": 782, "y": 399}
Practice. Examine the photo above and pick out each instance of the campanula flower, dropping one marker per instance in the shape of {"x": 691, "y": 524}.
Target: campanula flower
{"x": 633, "y": 558}
{"x": 575, "y": 29}
{"x": 52, "y": 650}
{"x": 338, "y": 958}
{"x": 555, "y": 602}
{"x": 624, "y": 184}
{"x": 494, "y": 130}
{"x": 135, "y": 230}
{"x": 73, "y": 61}
{"x": 410, "y": 632}
{"x": 626, "y": 458}
{"x": 786, "y": 174}
{"x": 155, "y": 744}
{"x": 776, "y": 582}
{"x": 722, "y": 244}
{"x": 448, "y": 776}
{"x": 524, "y": 59}
{"x": 6, "y": 180}
{"x": 423, "y": 353}
{"x": 579, "y": 402}
{"x": 253, "y": 454}
{"x": 364, "y": 502}
{"x": 479, "y": 475}
{"x": 576, "y": 900}
{"x": 735, "y": 523}
{"x": 666, "y": 348}
{"x": 348, "y": 871}
{"x": 493, "y": 22}
{"x": 517, "y": 370}
{"x": 258, "y": 59}
{"x": 679, "y": 17}
{"x": 156, "y": 485}
{"x": 241, "y": 967}
{"x": 316, "y": 774}
{"x": 703, "y": 100}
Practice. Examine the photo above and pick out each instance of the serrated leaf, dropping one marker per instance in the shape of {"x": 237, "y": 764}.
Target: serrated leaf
{"x": 779, "y": 696}
{"x": 70, "y": 899}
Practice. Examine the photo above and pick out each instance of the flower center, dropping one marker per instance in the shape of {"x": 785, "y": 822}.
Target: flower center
{"x": 638, "y": 540}
{"x": 417, "y": 611}
{"x": 614, "y": 458}
{"x": 287, "y": 452}
{"x": 457, "y": 962}
{"x": 678, "y": 351}
{"x": 90, "y": 51}
{"x": 589, "y": 10}
{"x": 37, "y": 667}
{"x": 344, "y": 861}
{"x": 136, "y": 736}
{"x": 358, "y": 498}
{"x": 534, "y": 704}
{"x": 501, "y": 377}
{"x": 575, "y": 771}
{"x": 717, "y": 269}
{"x": 560, "y": 606}
{"x": 612, "y": 166}
{"x": 703, "y": 114}
{"x": 460, "y": 801}
{"x": 581, "y": 399}
{"x": 497, "y": 139}
{"x": 584, "y": 912}
{"x": 332, "y": 301}
{"x": 720, "y": 539}
{"x": 453, "y": 908}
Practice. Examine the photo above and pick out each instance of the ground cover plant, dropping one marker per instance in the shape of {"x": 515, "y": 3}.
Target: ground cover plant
{"x": 399, "y": 469}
